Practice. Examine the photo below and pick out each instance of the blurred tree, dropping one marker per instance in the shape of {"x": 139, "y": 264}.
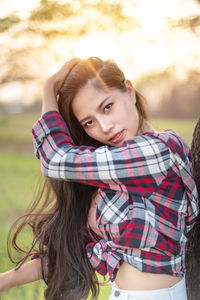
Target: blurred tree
{"x": 192, "y": 22}
{"x": 50, "y": 10}
{"x": 39, "y": 41}
{"x": 8, "y": 22}
{"x": 78, "y": 17}
{"x": 52, "y": 25}
{"x": 32, "y": 38}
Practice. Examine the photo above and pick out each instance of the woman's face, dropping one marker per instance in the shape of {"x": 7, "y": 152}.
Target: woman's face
{"x": 109, "y": 117}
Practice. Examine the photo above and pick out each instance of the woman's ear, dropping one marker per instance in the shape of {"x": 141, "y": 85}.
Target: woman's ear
{"x": 130, "y": 89}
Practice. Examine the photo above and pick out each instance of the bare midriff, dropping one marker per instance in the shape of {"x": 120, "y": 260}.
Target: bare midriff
{"x": 130, "y": 278}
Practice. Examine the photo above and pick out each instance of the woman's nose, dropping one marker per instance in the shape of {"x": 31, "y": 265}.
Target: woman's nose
{"x": 105, "y": 124}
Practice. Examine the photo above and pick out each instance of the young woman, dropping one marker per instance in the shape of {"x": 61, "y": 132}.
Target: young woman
{"x": 125, "y": 194}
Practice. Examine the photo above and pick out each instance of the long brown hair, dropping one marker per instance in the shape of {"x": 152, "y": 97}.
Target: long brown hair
{"x": 60, "y": 224}
{"x": 193, "y": 245}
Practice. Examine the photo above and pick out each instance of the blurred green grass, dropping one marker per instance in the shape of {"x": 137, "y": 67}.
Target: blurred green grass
{"x": 19, "y": 177}
{"x": 184, "y": 127}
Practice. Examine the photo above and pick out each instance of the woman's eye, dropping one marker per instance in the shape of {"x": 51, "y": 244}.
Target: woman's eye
{"x": 107, "y": 107}
{"x": 88, "y": 124}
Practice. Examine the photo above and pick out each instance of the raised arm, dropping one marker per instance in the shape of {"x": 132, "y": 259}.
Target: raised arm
{"x": 28, "y": 272}
{"x": 53, "y": 84}
{"x": 138, "y": 162}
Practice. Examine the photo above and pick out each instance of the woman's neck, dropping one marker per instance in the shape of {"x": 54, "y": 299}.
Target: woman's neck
{"x": 146, "y": 127}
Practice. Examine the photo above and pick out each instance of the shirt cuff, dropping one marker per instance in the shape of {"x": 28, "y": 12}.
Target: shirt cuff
{"x": 49, "y": 123}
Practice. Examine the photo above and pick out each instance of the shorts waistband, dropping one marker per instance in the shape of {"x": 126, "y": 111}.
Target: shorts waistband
{"x": 179, "y": 286}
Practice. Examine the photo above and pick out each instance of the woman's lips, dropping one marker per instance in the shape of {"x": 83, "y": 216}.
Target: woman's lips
{"x": 118, "y": 137}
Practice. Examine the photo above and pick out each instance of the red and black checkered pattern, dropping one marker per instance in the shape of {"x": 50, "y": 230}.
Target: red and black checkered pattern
{"x": 148, "y": 198}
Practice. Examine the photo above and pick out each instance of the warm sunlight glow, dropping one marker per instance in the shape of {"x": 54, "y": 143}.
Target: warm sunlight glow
{"x": 154, "y": 45}
{"x": 20, "y": 7}
{"x": 100, "y": 45}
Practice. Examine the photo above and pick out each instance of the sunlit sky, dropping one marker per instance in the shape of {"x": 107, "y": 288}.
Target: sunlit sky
{"x": 154, "y": 39}
{"x": 152, "y": 47}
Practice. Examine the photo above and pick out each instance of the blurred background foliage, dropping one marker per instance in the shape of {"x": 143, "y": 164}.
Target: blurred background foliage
{"x": 33, "y": 47}
{"x": 6, "y": 23}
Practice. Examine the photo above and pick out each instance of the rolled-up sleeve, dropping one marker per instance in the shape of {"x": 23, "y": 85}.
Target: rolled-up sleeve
{"x": 140, "y": 162}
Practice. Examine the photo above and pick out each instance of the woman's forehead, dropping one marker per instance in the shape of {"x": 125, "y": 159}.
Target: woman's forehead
{"x": 89, "y": 94}
{"x": 90, "y": 99}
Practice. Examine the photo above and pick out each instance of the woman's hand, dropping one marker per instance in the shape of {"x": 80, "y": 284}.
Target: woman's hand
{"x": 53, "y": 85}
{"x": 58, "y": 78}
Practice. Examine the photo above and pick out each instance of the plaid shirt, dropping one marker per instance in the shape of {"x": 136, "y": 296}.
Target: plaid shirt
{"x": 148, "y": 198}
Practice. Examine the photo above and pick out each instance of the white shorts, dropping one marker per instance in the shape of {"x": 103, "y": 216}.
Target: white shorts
{"x": 176, "y": 292}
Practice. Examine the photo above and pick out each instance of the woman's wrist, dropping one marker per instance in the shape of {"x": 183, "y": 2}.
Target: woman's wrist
{"x": 50, "y": 96}
{"x": 54, "y": 83}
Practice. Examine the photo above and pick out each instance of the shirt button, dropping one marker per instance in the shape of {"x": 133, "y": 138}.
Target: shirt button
{"x": 117, "y": 293}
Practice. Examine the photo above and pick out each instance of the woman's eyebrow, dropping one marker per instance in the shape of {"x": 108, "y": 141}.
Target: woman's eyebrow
{"x": 102, "y": 103}
{"x": 98, "y": 108}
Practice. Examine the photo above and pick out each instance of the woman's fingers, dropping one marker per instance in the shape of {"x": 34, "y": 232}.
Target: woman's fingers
{"x": 65, "y": 70}
{"x": 55, "y": 82}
